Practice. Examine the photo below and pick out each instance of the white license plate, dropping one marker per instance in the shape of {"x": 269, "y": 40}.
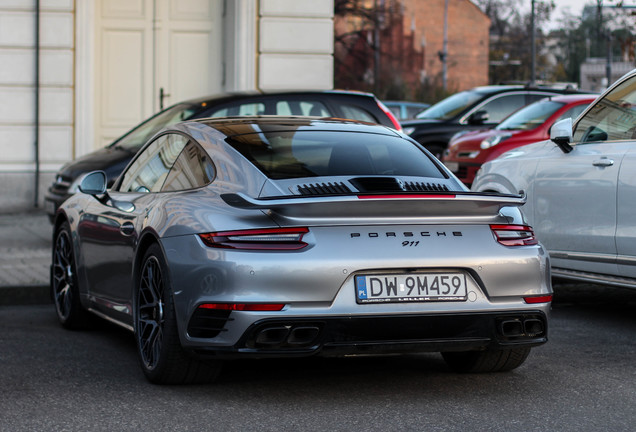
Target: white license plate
{"x": 453, "y": 166}
{"x": 414, "y": 287}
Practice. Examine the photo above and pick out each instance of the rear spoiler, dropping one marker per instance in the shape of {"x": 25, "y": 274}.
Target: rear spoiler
{"x": 443, "y": 204}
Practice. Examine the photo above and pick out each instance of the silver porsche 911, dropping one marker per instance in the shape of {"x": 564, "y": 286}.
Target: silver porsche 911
{"x": 276, "y": 237}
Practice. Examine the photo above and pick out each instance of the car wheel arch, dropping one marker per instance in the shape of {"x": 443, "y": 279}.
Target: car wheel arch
{"x": 147, "y": 239}
{"x": 493, "y": 183}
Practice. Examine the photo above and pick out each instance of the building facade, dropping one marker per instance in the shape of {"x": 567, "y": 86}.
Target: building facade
{"x": 394, "y": 47}
{"x": 467, "y": 36}
{"x": 77, "y": 74}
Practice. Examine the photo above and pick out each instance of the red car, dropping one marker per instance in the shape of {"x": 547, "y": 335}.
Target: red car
{"x": 467, "y": 151}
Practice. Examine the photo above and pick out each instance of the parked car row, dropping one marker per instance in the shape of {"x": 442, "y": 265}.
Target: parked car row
{"x": 284, "y": 236}
{"x": 478, "y": 108}
{"x": 581, "y": 188}
{"x": 467, "y": 151}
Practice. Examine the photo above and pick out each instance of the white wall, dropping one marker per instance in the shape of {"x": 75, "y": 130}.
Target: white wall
{"x": 17, "y": 93}
{"x": 268, "y": 45}
{"x": 295, "y": 44}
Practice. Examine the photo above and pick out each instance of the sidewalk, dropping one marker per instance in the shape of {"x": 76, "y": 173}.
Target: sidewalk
{"x": 25, "y": 258}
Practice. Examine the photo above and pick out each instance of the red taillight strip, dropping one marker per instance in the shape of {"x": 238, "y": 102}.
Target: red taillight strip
{"x": 252, "y": 232}
{"x": 257, "y": 239}
{"x": 514, "y": 235}
{"x": 263, "y": 307}
{"x": 538, "y": 299}
{"x": 404, "y": 196}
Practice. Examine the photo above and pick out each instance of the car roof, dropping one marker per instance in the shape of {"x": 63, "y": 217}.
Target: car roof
{"x": 571, "y": 98}
{"x": 252, "y": 94}
{"x": 232, "y": 126}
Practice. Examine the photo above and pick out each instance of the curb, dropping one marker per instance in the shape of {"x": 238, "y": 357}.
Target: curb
{"x": 25, "y": 295}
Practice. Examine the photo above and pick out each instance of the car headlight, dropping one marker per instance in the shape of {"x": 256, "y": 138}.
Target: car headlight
{"x": 408, "y": 130}
{"x": 494, "y": 140}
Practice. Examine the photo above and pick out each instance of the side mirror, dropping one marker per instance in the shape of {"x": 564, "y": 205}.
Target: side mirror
{"x": 561, "y": 134}
{"x": 93, "y": 183}
{"x": 478, "y": 117}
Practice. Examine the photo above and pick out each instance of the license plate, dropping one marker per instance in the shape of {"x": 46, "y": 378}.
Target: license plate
{"x": 399, "y": 288}
{"x": 453, "y": 166}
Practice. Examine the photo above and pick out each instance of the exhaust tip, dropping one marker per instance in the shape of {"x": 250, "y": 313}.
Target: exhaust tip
{"x": 303, "y": 336}
{"x": 533, "y": 327}
{"x": 272, "y": 336}
{"x": 511, "y": 328}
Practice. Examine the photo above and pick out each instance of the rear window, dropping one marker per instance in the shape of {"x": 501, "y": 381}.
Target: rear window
{"x": 289, "y": 155}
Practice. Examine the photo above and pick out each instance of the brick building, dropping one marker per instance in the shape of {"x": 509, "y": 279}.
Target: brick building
{"x": 467, "y": 60}
{"x": 411, "y": 36}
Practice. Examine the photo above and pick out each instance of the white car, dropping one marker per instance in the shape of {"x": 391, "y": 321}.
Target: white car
{"x": 581, "y": 188}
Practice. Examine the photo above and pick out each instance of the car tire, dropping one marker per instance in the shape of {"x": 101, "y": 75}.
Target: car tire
{"x": 64, "y": 286}
{"x": 162, "y": 358}
{"x": 486, "y": 361}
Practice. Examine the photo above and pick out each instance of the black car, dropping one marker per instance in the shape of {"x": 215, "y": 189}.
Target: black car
{"x": 114, "y": 158}
{"x": 478, "y": 108}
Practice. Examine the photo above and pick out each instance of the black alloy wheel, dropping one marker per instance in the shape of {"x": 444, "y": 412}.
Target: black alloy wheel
{"x": 150, "y": 316}
{"x": 64, "y": 287}
{"x": 163, "y": 359}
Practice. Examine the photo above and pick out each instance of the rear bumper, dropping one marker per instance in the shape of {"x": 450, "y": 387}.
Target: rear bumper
{"x": 333, "y": 336}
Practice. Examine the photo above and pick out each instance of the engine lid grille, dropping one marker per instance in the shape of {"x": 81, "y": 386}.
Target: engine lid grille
{"x": 324, "y": 188}
{"x": 425, "y": 187}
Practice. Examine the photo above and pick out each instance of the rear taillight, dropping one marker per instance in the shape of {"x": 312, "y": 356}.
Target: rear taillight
{"x": 257, "y": 239}
{"x": 538, "y": 299}
{"x": 266, "y": 307}
{"x": 514, "y": 235}
{"x": 394, "y": 120}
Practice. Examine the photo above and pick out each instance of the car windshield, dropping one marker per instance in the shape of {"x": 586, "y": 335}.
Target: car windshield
{"x": 288, "y": 155}
{"x": 530, "y": 117}
{"x": 137, "y": 137}
{"x": 452, "y": 105}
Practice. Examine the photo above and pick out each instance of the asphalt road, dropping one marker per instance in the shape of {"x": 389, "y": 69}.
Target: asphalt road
{"x": 584, "y": 379}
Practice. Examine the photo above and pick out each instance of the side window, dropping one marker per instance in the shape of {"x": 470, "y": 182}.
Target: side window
{"x": 150, "y": 169}
{"x": 501, "y": 107}
{"x": 192, "y": 169}
{"x": 613, "y": 118}
{"x": 302, "y": 108}
{"x": 357, "y": 113}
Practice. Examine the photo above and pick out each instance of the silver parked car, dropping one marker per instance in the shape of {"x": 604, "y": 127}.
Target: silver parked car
{"x": 581, "y": 188}
{"x": 274, "y": 237}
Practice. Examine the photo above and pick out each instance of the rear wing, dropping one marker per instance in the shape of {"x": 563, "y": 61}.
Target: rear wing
{"x": 444, "y": 204}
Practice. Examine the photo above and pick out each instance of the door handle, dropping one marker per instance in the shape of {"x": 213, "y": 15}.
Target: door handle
{"x": 127, "y": 228}
{"x": 603, "y": 162}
